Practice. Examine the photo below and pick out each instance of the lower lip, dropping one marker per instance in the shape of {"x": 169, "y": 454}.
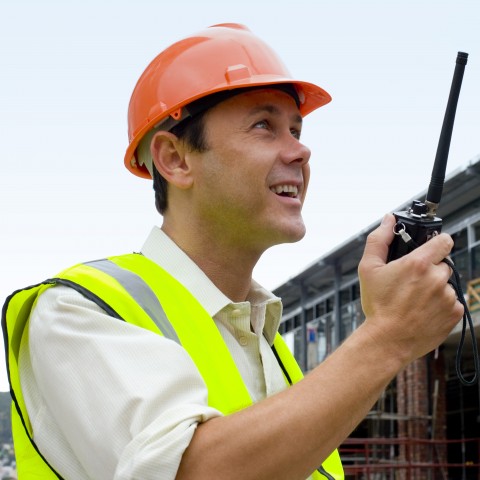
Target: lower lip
{"x": 295, "y": 200}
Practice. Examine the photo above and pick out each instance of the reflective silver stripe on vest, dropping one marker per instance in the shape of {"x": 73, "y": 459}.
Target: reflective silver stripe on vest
{"x": 140, "y": 292}
{"x": 321, "y": 470}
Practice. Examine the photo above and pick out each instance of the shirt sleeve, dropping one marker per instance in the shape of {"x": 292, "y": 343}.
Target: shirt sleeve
{"x": 107, "y": 399}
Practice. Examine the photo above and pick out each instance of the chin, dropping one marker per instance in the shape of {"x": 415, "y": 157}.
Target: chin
{"x": 296, "y": 238}
{"x": 293, "y": 235}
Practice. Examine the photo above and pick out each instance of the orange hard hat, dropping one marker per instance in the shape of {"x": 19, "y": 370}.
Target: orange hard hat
{"x": 222, "y": 57}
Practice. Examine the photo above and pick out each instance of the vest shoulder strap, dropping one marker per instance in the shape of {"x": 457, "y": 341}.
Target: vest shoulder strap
{"x": 15, "y": 315}
{"x": 143, "y": 293}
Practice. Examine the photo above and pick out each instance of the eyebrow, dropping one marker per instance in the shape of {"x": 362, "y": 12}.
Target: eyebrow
{"x": 273, "y": 110}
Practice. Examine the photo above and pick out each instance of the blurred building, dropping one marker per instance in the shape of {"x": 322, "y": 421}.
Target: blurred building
{"x": 427, "y": 424}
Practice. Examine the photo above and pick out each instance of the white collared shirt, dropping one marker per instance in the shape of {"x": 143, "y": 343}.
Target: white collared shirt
{"x": 110, "y": 400}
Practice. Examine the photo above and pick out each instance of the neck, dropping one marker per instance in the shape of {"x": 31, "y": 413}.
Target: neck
{"x": 227, "y": 266}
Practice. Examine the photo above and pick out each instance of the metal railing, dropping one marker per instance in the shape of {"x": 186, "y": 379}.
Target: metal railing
{"x": 410, "y": 459}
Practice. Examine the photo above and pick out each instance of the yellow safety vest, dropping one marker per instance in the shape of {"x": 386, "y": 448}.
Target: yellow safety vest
{"x": 134, "y": 289}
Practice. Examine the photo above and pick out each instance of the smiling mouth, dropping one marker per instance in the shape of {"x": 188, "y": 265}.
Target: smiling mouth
{"x": 290, "y": 191}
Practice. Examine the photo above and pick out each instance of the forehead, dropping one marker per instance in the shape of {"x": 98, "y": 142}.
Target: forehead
{"x": 272, "y": 101}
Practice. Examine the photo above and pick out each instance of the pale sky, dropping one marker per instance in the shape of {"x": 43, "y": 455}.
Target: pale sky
{"x": 68, "y": 70}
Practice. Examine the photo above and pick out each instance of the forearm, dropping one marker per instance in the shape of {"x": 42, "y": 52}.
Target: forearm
{"x": 289, "y": 435}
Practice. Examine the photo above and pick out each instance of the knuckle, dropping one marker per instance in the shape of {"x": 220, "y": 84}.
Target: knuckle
{"x": 445, "y": 241}
{"x": 371, "y": 239}
{"x": 362, "y": 268}
{"x": 419, "y": 264}
{"x": 371, "y": 236}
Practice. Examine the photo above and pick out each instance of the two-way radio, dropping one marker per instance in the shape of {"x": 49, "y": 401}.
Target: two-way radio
{"x": 420, "y": 223}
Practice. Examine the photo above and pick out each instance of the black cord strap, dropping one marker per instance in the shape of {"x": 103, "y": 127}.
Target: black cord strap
{"x": 467, "y": 319}
{"x": 282, "y": 366}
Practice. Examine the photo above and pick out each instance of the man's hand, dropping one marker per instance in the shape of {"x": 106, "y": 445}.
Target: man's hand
{"x": 408, "y": 304}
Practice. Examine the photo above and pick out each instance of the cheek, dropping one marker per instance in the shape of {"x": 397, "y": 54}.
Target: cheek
{"x": 236, "y": 167}
{"x": 223, "y": 182}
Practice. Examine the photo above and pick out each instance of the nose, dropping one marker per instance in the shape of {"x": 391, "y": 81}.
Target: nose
{"x": 295, "y": 151}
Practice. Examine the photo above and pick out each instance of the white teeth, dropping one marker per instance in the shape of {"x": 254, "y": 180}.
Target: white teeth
{"x": 290, "y": 190}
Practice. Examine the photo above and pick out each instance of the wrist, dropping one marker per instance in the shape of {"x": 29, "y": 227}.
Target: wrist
{"x": 379, "y": 348}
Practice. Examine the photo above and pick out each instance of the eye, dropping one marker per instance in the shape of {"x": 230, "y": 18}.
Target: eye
{"x": 296, "y": 132}
{"x": 262, "y": 124}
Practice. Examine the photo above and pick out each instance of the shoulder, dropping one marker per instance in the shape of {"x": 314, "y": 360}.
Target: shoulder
{"x": 61, "y": 310}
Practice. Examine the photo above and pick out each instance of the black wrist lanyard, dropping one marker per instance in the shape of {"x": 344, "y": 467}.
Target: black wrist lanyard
{"x": 467, "y": 319}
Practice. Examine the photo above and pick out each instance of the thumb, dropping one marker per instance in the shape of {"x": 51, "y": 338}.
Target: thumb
{"x": 378, "y": 242}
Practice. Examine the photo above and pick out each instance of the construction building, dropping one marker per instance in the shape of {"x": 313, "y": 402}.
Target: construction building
{"x": 426, "y": 425}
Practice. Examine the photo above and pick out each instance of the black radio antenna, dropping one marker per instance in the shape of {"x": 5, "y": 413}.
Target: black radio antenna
{"x": 435, "y": 188}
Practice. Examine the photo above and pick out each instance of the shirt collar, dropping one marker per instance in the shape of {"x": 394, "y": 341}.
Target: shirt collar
{"x": 162, "y": 250}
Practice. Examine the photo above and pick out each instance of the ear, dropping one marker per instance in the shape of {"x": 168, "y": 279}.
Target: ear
{"x": 168, "y": 155}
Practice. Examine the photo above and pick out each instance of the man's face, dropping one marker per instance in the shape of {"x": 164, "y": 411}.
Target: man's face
{"x": 251, "y": 182}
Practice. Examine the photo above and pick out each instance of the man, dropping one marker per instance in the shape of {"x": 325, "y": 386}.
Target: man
{"x": 168, "y": 364}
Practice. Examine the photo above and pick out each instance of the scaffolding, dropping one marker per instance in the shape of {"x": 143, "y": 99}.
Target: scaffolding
{"x": 473, "y": 295}
{"x": 396, "y": 459}
{"x": 425, "y": 426}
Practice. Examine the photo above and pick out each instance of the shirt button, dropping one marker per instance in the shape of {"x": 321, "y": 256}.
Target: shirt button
{"x": 236, "y": 312}
{"x": 243, "y": 341}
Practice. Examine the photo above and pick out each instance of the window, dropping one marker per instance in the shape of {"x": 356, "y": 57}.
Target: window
{"x": 461, "y": 260}
{"x": 476, "y": 231}
{"x": 476, "y": 262}
{"x": 319, "y": 340}
{"x": 461, "y": 240}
